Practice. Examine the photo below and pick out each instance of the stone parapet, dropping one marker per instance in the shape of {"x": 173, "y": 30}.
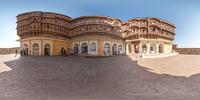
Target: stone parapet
{"x": 187, "y": 50}
{"x": 9, "y": 50}
{"x": 159, "y": 55}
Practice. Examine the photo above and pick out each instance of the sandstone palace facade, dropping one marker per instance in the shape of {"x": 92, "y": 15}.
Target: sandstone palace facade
{"x": 45, "y": 33}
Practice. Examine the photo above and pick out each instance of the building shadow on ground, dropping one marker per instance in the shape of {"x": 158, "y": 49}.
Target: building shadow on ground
{"x": 113, "y": 78}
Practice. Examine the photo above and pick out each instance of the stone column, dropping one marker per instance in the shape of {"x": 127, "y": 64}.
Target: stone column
{"x": 89, "y": 50}
{"x": 139, "y": 48}
{"x": 79, "y": 49}
{"x": 111, "y": 48}
{"x": 30, "y": 47}
{"x": 157, "y": 48}
{"x": 132, "y": 48}
{"x": 126, "y": 48}
{"x": 42, "y": 53}
{"x": 148, "y": 48}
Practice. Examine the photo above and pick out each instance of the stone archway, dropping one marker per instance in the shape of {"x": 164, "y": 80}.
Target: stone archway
{"x": 152, "y": 48}
{"x": 25, "y": 48}
{"x": 114, "y": 49}
{"x": 129, "y": 48}
{"x": 161, "y": 48}
{"x": 35, "y": 49}
{"x": 84, "y": 48}
{"x": 144, "y": 48}
{"x": 107, "y": 48}
{"x": 93, "y": 48}
{"x": 136, "y": 48}
{"x": 47, "y": 49}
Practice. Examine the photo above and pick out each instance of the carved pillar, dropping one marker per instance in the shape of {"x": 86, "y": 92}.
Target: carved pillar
{"x": 132, "y": 48}
{"x": 89, "y": 50}
{"x": 126, "y": 48}
{"x": 79, "y": 49}
{"x": 29, "y": 48}
{"x": 42, "y": 48}
{"x": 148, "y": 48}
{"x": 157, "y": 48}
{"x": 139, "y": 47}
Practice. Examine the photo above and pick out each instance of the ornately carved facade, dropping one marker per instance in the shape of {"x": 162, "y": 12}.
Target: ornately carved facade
{"x": 44, "y": 33}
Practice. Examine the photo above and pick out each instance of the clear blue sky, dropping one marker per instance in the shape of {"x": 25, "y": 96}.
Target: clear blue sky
{"x": 185, "y": 14}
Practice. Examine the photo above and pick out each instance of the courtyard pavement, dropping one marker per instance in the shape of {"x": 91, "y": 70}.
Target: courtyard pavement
{"x": 112, "y": 78}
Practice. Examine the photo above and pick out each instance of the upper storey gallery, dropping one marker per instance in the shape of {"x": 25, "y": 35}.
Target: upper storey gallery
{"x": 46, "y": 24}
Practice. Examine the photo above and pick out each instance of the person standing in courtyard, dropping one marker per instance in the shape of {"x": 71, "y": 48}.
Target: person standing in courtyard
{"x": 21, "y": 53}
{"x": 16, "y": 53}
{"x": 27, "y": 51}
{"x": 107, "y": 53}
{"x": 65, "y": 53}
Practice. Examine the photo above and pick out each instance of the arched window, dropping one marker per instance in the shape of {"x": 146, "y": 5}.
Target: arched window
{"x": 47, "y": 49}
{"x": 152, "y": 48}
{"x": 25, "y": 47}
{"x": 107, "y": 48}
{"x": 154, "y": 29}
{"x": 84, "y": 48}
{"x": 76, "y": 48}
{"x": 120, "y": 49}
{"x": 144, "y": 48}
{"x": 35, "y": 49}
{"x": 93, "y": 48}
{"x": 134, "y": 30}
{"x": 114, "y": 49}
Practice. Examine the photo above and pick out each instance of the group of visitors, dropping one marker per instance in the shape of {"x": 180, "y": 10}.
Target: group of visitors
{"x": 23, "y": 53}
{"x": 106, "y": 52}
{"x": 63, "y": 53}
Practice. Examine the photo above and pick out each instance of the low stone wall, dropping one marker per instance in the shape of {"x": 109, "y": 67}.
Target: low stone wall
{"x": 159, "y": 55}
{"x": 9, "y": 50}
{"x": 188, "y": 50}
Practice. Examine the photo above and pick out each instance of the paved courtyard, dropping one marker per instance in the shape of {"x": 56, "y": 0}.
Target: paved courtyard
{"x": 111, "y": 78}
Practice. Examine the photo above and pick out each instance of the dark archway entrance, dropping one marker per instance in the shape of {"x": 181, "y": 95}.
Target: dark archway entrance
{"x": 47, "y": 49}
{"x": 25, "y": 48}
{"x": 144, "y": 48}
{"x": 84, "y": 48}
{"x": 114, "y": 49}
{"x": 76, "y": 48}
{"x": 136, "y": 48}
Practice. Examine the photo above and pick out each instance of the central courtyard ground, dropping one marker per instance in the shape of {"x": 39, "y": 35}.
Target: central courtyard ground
{"x": 112, "y": 78}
